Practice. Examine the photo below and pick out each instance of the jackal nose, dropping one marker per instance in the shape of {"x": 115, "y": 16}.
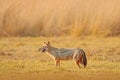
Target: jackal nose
{"x": 43, "y": 50}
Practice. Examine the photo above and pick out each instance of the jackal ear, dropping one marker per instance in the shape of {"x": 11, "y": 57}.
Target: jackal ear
{"x": 48, "y": 42}
{"x": 44, "y": 42}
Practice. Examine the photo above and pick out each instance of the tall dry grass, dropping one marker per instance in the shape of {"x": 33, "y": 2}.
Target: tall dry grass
{"x": 59, "y": 17}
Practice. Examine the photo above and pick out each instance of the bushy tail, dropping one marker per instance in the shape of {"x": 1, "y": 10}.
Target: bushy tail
{"x": 84, "y": 59}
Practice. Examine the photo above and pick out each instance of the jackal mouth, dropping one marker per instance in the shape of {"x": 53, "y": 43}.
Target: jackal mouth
{"x": 43, "y": 50}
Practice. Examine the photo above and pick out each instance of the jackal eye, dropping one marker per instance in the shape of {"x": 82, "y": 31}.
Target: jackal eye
{"x": 45, "y": 46}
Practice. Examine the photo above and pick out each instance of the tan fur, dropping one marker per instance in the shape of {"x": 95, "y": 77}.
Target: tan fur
{"x": 78, "y": 55}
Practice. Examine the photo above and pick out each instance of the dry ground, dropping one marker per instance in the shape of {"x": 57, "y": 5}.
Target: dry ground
{"x": 21, "y": 60}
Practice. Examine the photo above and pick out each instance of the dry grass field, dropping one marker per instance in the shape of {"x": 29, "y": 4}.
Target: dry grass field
{"x": 93, "y": 25}
{"x": 21, "y": 60}
{"x": 73, "y": 17}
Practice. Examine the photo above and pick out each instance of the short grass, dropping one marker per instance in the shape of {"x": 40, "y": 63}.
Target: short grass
{"x": 20, "y": 57}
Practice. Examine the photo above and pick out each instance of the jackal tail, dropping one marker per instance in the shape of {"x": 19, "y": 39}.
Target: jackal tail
{"x": 84, "y": 59}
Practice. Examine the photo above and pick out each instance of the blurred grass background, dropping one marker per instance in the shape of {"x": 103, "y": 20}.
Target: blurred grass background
{"x": 59, "y": 17}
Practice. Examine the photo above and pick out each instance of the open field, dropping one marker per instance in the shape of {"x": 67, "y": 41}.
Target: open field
{"x": 23, "y": 21}
{"x": 21, "y": 60}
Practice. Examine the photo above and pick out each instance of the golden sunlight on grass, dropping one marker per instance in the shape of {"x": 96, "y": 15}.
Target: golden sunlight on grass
{"x": 21, "y": 60}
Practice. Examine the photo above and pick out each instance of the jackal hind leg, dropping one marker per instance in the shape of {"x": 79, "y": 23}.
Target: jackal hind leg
{"x": 77, "y": 62}
{"x": 81, "y": 60}
{"x": 76, "y": 59}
